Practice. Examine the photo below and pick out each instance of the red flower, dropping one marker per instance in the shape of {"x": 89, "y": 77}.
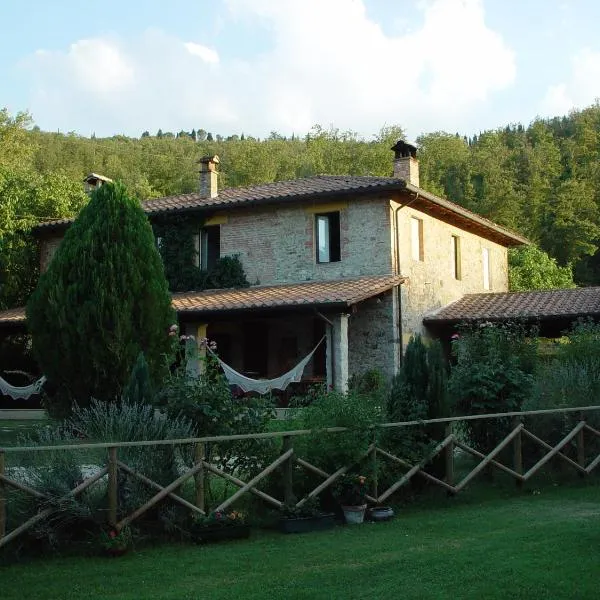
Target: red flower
{"x": 112, "y": 534}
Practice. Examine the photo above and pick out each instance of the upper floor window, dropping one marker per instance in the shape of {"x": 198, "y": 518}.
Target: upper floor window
{"x": 208, "y": 247}
{"x": 416, "y": 239}
{"x": 486, "y": 268}
{"x": 327, "y": 228}
{"x": 456, "y": 266}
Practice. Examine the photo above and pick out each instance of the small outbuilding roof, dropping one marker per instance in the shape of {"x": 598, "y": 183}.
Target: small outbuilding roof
{"x": 522, "y": 306}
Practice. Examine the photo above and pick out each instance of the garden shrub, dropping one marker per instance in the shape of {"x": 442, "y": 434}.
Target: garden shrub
{"x": 570, "y": 378}
{"x": 493, "y": 372}
{"x": 354, "y": 410}
{"x": 206, "y": 401}
{"x": 102, "y": 301}
{"x": 418, "y": 392}
{"x": 54, "y": 473}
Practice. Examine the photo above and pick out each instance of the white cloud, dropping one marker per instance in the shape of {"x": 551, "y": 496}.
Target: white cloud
{"x": 327, "y": 63}
{"x": 208, "y": 55}
{"x": 580, "y": 89}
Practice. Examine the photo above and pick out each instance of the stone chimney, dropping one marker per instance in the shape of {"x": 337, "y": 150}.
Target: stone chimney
{"x": 406, "y": 165}
{"x": 93, "y": 181}
{"x": 208, "y": 186}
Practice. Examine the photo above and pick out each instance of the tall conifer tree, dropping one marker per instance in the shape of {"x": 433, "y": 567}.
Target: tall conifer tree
{"x": 102, "y": 301}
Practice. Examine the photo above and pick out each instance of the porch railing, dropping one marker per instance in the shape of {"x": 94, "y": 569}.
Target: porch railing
{"x": 202, "y": 468}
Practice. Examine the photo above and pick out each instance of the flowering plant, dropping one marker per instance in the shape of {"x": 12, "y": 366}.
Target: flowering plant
{"x": 351, "y": 490}
{"x": 115, "y": 539}
{"x": 218, "y": 519}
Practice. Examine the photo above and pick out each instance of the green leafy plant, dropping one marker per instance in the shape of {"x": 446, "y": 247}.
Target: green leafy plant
{"x": 493, "y": 372}
{"x": 113, "y": 539}
{"x": 351, "y": 490}
{"x": 233, "y": 518}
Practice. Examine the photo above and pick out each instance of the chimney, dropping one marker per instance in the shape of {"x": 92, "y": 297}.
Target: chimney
{"x": 208, "y": 186}
{"x": 406, "y": 165}
{"x": 93, "y": 181}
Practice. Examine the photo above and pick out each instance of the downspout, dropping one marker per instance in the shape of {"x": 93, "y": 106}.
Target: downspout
{"x": 397, "y": 270}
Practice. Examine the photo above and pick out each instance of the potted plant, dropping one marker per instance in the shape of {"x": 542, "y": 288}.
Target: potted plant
{"x": 380, "y": 513}
{"x": 309, "y": 517}
{"x": 351, "y": 491}
{"x": 218, "y": 526}
{"x": 116, "y": 542}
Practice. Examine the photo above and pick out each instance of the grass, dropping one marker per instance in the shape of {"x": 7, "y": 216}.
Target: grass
{"x": 10, "y": 430}
{"x": 540, "y": 545}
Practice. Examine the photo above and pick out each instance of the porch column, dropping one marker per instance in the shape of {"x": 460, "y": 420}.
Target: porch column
{"x": 200, "y": 335}
{"x": 337, "y": 344}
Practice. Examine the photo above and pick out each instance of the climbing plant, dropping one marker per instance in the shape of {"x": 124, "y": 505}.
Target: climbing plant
{"x": 175, "y": 236}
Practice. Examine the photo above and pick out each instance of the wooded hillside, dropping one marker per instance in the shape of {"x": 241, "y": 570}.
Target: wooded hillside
{"x": 542, "y": 180}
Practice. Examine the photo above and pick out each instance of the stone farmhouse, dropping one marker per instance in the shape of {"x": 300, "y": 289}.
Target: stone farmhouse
{"x": 364, "y": 262}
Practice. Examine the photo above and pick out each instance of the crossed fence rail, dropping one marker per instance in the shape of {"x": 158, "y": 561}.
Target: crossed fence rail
{"x": 286, "y": 461}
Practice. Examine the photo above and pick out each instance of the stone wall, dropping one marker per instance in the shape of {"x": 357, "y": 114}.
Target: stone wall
{"x": 431, "y": 283}
{"x": 373, "y": 336}
{"x": 277, "y": 244}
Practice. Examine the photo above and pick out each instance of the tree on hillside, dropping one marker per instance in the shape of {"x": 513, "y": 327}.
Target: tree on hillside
{"x": 102, "y": 301}
{"x": 530, "y": 268}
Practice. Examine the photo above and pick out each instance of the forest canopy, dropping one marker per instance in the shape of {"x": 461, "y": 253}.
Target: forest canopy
{"x": 542, "y": 180}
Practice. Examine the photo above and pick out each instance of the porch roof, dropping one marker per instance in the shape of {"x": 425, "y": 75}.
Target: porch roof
{"x": 339, "y": 293}
{"x": 523, "y": 306}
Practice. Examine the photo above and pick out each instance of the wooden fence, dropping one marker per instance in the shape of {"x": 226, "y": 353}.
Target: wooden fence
{"x": 288, "y": 459}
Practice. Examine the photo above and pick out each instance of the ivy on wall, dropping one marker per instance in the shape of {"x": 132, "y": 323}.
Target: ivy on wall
{"x": 179, "y": 255}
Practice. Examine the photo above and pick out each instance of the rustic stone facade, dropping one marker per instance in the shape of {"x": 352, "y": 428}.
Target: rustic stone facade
{"x": 277, "y": 244}
{"x": 430, "y": 282}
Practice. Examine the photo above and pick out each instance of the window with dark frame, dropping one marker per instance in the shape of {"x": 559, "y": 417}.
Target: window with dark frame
{"x": 327, "y": 227}
{"x": 209, "y": 247}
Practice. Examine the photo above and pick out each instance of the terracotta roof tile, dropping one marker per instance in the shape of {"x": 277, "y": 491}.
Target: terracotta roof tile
{"x": 320, "y": 186}
{"x": 341, "y": 292}
{"x": 338, "y": 292}
{"x": 546, "y": 304}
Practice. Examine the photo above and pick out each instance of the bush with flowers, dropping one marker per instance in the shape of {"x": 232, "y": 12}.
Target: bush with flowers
{"x": 351, "y": 490}
{"x": 218, "y": 518}
{"x": 115, "y": 541}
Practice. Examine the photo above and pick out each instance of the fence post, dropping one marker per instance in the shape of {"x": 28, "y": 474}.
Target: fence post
{"x": 449, "y": 455}
{"x": 517, "y": 450}
{"x": 581, "y": 445}
{"x": 288, "y": 472}
{"x": 199, "y": 455}
{"x": 112, "y": 486}
{"x": 2, "y": 498}
{"x": 374, "y": 466}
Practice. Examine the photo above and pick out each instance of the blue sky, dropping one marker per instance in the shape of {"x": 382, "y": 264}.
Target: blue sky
{"x": 256, "y": 66}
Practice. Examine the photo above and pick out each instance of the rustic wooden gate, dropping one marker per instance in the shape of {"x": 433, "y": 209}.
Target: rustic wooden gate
{"x": 288, "y": 459}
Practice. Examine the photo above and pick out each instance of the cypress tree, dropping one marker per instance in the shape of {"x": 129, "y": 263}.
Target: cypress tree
{"x": 102, "y": 301}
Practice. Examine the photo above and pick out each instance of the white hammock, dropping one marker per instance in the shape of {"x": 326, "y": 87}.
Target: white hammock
{"x": 263, "y": 386}
{"x": 21, "y": 392}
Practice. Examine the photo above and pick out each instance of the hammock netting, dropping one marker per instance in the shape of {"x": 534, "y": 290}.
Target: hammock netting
{"x": 264, "y": 386}
{"x": 21, "y": 392}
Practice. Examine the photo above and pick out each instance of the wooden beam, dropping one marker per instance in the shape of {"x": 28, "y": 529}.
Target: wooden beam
{"x": 488, "y": 459}
{"x": 241, "y": 483}
{"x": 255, "y": 480}
{"x": 159, "y": 487}
{"x": 555, "y": 451}
{"x": 157, "y": 497}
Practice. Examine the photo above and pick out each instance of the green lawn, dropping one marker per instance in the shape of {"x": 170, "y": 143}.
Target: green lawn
{"x": 542, "y": 545}
{"x": 11, "y": 429}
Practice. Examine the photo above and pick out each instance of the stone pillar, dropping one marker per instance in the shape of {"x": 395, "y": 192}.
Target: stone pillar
{"x": 339, "y": 344}
{"x": 200, "y": 336}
